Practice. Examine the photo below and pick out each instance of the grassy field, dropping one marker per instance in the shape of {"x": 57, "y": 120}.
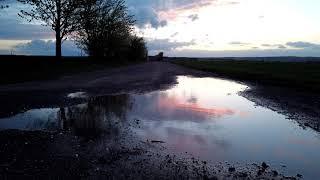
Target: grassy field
{"x": 302, "y": 75}
{"x": 15, "y": 69}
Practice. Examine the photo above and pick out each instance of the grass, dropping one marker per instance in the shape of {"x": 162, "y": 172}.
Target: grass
{"x": 301, "y": 75}
{"x": 16, "y": 69}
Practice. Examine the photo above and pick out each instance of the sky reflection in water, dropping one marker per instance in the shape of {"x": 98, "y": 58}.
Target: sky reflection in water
{"x": 202, "y": 116}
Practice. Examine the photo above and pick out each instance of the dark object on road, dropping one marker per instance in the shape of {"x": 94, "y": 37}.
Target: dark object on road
{"x": 158, "y": 57}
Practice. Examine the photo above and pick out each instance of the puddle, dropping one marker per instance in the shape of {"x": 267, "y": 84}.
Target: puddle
{"x": 202, "y": 116}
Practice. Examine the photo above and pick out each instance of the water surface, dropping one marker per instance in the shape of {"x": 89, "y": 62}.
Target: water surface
{"x": 202, "y": 116}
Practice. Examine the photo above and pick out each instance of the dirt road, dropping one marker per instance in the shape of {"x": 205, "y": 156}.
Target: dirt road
{"x": 143, "y": 76}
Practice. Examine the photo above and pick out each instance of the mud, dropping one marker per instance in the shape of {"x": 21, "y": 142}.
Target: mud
{"x": 302, "y": 107}
{"x": 61, "y": 155}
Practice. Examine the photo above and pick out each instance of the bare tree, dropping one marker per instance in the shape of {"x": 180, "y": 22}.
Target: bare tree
{"x": 57, "y": 14}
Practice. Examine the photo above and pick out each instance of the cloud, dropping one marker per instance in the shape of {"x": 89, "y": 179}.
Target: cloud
{"x": 296, "y": 44}
{"x": 303, "y": 45}
{"x": 14, "y": 28}
{"x": 174, "y": 34}
{"x": 247, "y": 53}
{"x": 238, "y": 43}
{"x": 157, "y": 13}
{"x": 278, "y": 46}
{"x": 4, "y": 51}
{"x": 156, "y": 45}
{"x": 193, "y": 17}
{"x": 146, "y": 12}
{"x": 266, "y": 45}
{"x": 170, "y": 48}
{"x": 42, "y": 47}
{"x": 147, "y": 15}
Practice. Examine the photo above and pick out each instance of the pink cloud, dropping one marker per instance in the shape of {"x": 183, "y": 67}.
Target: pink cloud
{"x": 194, "y": 7}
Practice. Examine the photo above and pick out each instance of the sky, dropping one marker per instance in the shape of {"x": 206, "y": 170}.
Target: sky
{"x": 193, "y": 28}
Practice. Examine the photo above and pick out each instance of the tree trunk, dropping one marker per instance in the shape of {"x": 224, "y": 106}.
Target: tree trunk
{"x": 58, "y": 30}
{"x": 58, "y": 45}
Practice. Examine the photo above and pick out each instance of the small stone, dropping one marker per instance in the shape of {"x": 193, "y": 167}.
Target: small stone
{"x": 242, "y": 175}
{"x": 260, "y": 172}
{"x": 275, "y": 173}
{"x": 205, "y": 177}
{"x": 264, "y": 165}
{"x": 204, "y": 162}
{"x": 232, "y": 169}
{"x": 213, "y": 178}
{"x": 102, "y": 160}
{"x": 299, "y": 175}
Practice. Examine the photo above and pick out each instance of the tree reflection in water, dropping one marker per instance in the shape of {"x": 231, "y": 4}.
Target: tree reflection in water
{"x": 99, "y": 115}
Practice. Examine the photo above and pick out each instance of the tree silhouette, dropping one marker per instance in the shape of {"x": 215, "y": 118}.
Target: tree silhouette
{"x": 57, "y": 14}
{"x": 98, "y": 115}
{"x": 105, "y": 27}
{"x": 138, "y": 49}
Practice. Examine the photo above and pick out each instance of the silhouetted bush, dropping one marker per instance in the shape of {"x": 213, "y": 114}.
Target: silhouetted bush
{"x": 138, "y": 50}
{"x": 106, "y": 30}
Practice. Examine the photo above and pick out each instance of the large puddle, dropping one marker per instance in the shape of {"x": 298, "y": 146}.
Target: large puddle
{"x": 202, "y": 116}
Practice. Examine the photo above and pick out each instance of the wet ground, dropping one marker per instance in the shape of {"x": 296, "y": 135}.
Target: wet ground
{"x": 188, "y": 127}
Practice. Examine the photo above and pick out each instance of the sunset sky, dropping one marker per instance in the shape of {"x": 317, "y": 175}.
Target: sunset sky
{"x": 197, "y": 28}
